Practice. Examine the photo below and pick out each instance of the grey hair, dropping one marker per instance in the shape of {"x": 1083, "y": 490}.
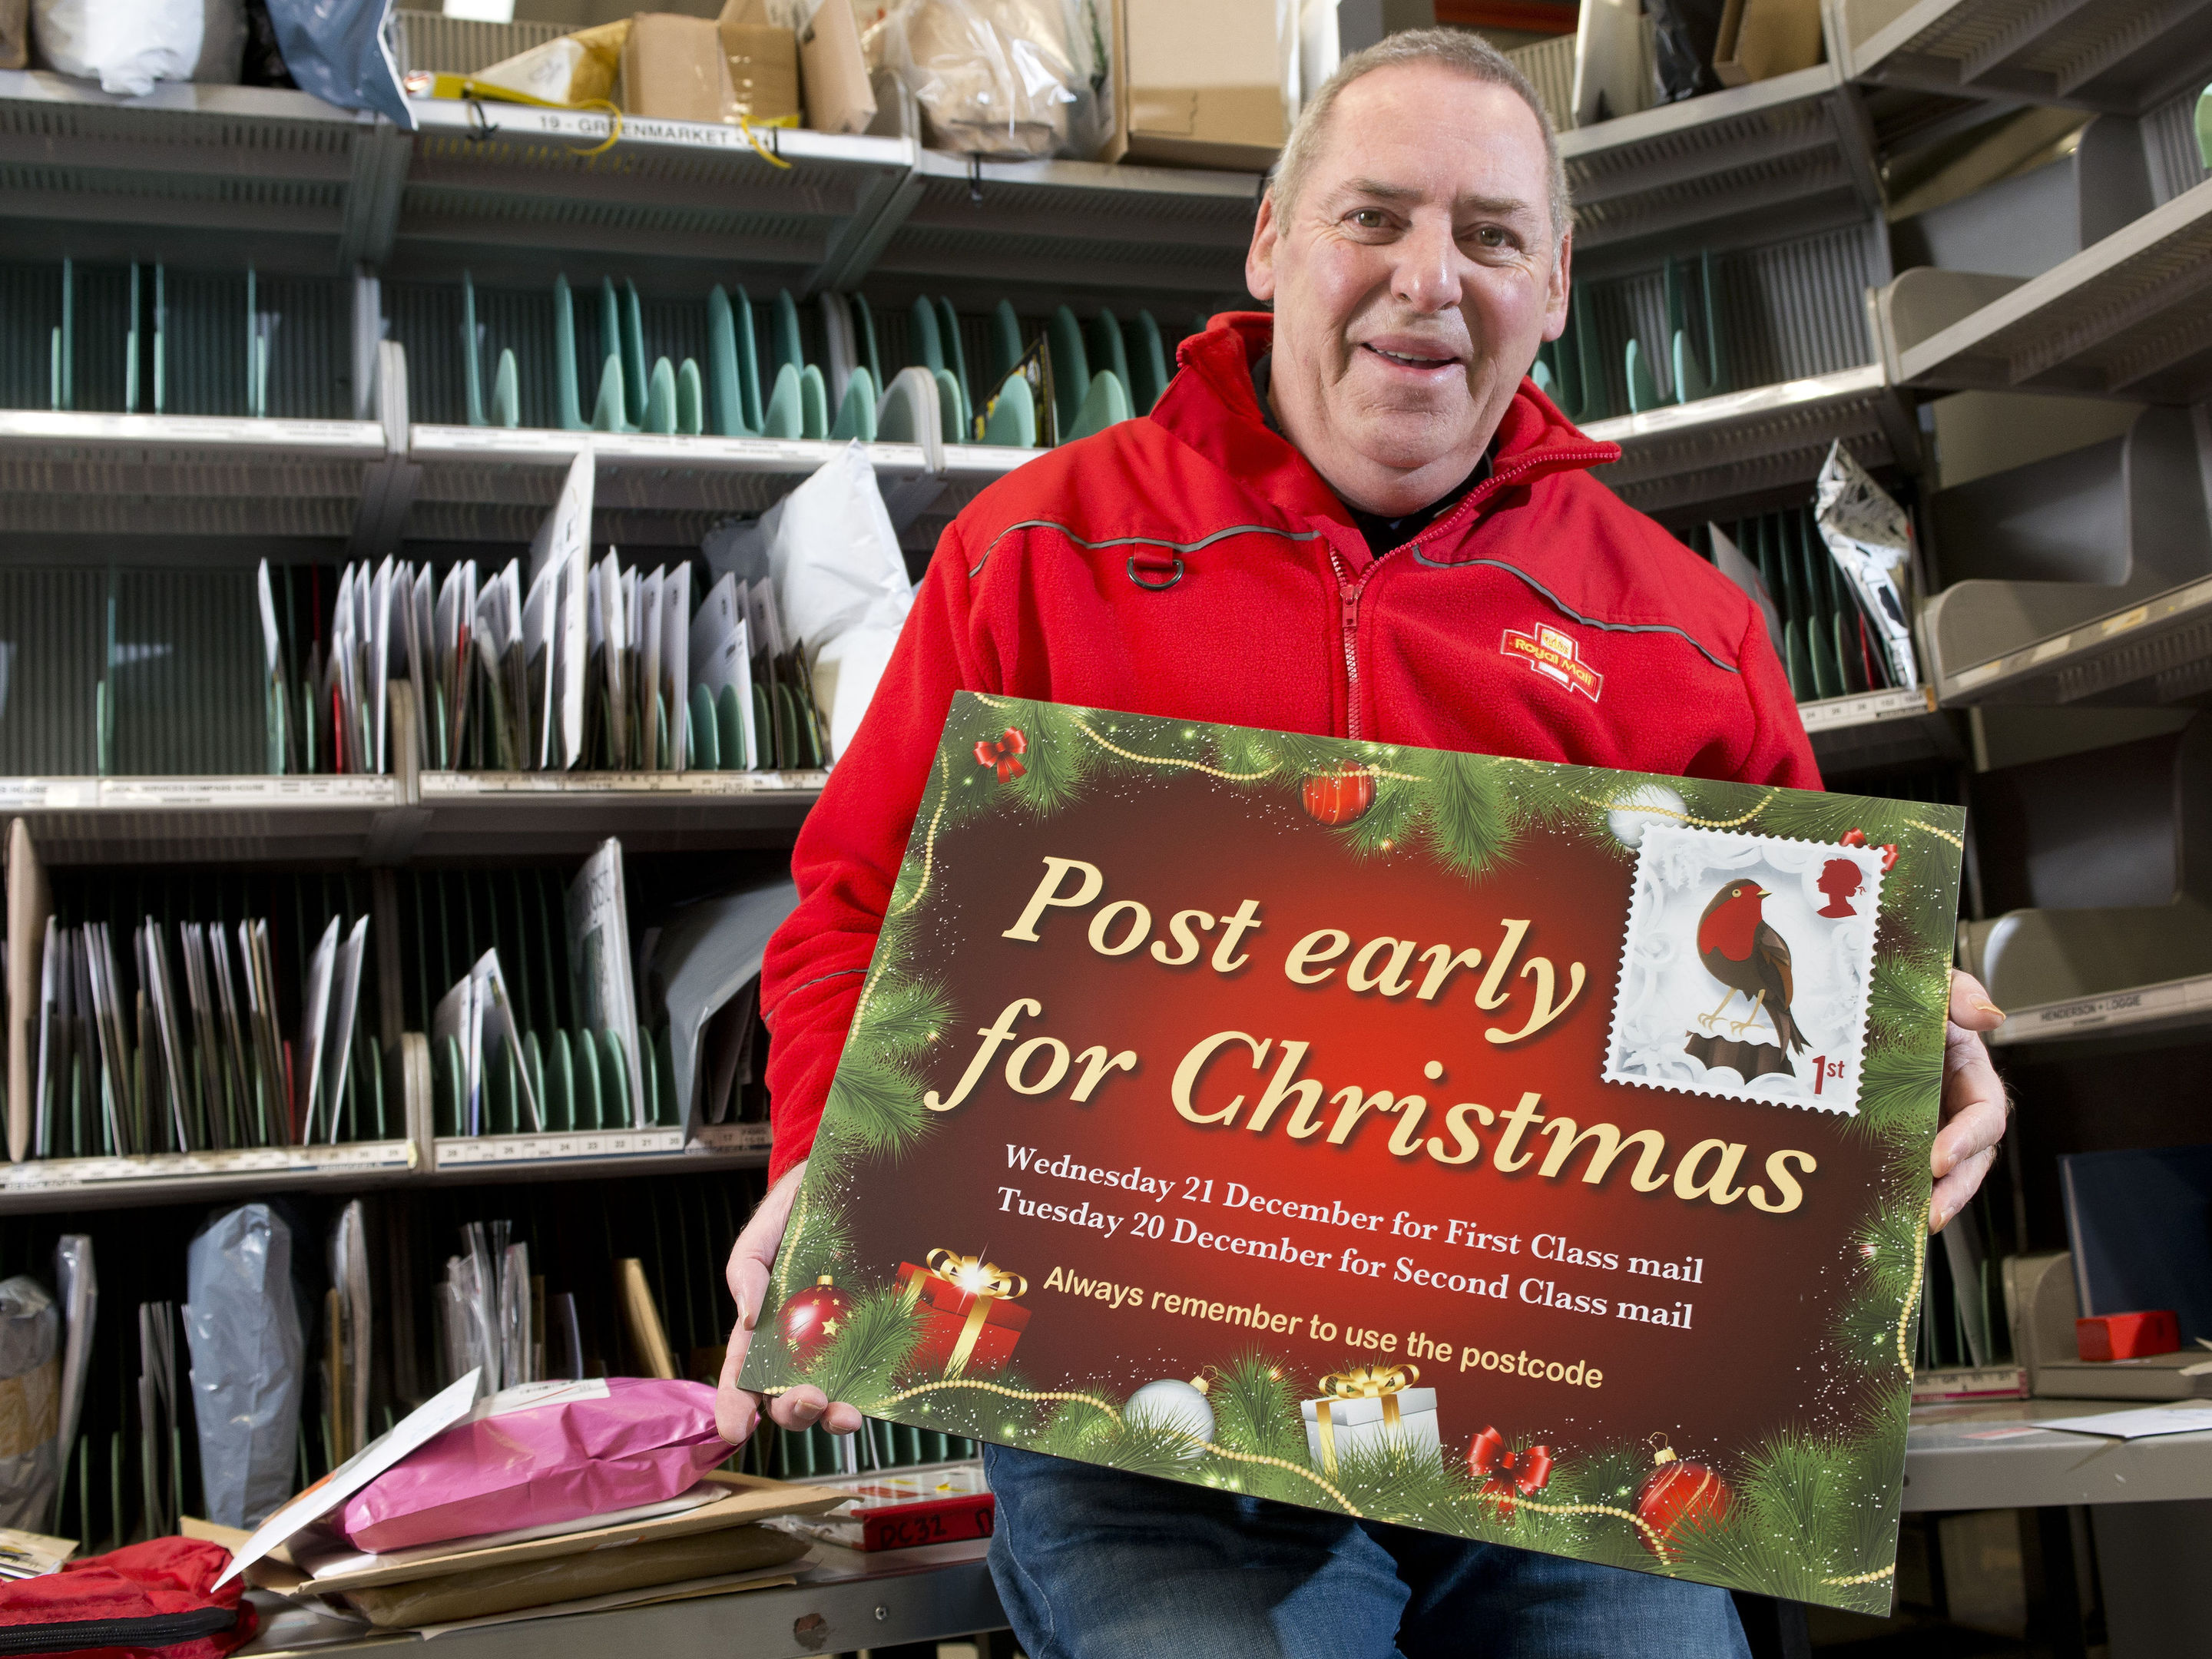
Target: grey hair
{"x": 1463, "y": 53}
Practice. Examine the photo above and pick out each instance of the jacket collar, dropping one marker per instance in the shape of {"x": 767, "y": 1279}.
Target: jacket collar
{"x": 1209, "y": 405}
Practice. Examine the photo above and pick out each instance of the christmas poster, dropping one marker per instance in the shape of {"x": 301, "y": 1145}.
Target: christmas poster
{"x": 1529, "y": 1152}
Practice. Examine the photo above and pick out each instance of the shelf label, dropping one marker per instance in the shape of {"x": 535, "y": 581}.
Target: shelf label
{"x": 2126, "y": 620}
{"x": 473, "y": 1151}
{"x": 48, "y": 1175}
{"x": 436, "y": 785}
{"x": 731, "y": 1138}
{"x": 2137, "y": 1005}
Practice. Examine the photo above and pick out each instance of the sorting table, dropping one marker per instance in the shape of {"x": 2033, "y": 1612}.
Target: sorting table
{"x": 1982, "y": 1456}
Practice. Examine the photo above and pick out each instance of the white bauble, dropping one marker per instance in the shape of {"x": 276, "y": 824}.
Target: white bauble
{"x": 1180, "y": 1406}
{"x": 1645, "y": 804}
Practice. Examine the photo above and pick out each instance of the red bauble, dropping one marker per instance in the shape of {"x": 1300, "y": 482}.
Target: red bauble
{"x": 1339, "y": 797}
{"x": 1679, "y": 1497}
{"x": 813, "y": 1319}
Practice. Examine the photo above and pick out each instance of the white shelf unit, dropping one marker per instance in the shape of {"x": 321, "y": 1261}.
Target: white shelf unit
{"x": 2128, "y": 316}
{"x": 1055, "y": 232}
{"x": 1878, "y": 728}
{"x": 2157, "y": 651}
{"x": 67, "y": 472}
{"x": 506, "y": 190}
{"x": 1783, "y": 157}
{"x": 2116, "y": 55}
{"x": 1745, "y": 444}
{"x": 384, "y": 820}
{"x": 492, "y": 484}
{"x": 98, "y": 1184}
{"x": 306, "y": 186}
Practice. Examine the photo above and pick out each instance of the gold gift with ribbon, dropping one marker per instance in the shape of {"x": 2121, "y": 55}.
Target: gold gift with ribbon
{"x": 1384, "y": 1383}
{"x": 980, "y": 1286}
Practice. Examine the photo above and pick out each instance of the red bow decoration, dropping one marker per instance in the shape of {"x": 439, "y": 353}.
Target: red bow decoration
{"x": 1001, "y": 755}
{"x": 1857, "y": 838}
{"x": 1509, "y": 1474}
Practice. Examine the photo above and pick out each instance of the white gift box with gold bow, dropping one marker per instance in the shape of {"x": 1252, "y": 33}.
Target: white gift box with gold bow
{"x": 1373, "y": 1409}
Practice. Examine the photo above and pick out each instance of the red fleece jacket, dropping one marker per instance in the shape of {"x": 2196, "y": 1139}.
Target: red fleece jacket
{"x": 1193, "y": 565}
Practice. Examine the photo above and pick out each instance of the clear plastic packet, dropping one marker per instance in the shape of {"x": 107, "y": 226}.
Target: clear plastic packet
{"x": 1011, "y": 78}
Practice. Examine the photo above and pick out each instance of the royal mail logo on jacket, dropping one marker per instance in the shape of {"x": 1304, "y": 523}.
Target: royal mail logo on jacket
{"x": 1556, "y": 656}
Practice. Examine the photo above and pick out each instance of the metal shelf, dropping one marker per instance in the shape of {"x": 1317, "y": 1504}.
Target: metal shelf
{"x": 2119, "y": 56}
{"x": 493, "y": 483}
{"x": 1777, "y": 158}
{"x": 2158, "y": 651}
{"x": 276, "y": 176}
{"x": 2130, "y": 316}
{"x": 1055, "y": 232}
{"x": 91, "y": 1183}
{"x": 521, "y": 813}
{"x": 182, "y": 475}
{"x": 1746, "y": 444}
{"x": 1877, "y": 728}
{"x": 374, "y": 820}
{"x": 2174, "y": 1005}
{"x": 502, "y": 188}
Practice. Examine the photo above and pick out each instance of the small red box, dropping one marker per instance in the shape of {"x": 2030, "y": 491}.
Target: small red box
{"x": 946, "y": 1311}
{"x": 2127, "y": 1335}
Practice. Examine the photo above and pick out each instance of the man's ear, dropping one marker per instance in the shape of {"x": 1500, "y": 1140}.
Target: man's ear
{"x": 1555, "y": 311}
{"x": 1260, "y": 259}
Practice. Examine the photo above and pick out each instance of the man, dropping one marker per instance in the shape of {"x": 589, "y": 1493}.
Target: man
{"x": 1331, "y": 523}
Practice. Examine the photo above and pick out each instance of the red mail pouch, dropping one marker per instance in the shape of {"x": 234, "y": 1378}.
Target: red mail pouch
{"x": 158, "y": 1597}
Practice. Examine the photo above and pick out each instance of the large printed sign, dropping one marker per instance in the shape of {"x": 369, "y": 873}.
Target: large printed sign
{"x": 1529, "y": 1152}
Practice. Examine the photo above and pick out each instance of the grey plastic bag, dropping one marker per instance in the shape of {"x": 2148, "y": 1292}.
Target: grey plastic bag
{"x": 30, "y": 1402}
{"x": 341, "y": 51}
{"x": 248, "y": 1354}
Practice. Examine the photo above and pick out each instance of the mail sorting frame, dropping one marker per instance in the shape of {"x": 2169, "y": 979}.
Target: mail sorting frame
{"x": 923, "y": 227}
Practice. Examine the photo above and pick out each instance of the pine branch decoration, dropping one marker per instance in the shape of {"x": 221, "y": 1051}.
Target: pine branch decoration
{"x": 863, "y": 1363}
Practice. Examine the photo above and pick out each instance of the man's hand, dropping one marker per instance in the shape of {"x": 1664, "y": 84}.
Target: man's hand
{"x": 1973, "y": 1103}
{"x": 737, "y": 1411}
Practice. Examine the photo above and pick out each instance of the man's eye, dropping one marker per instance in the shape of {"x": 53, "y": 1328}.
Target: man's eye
{"x": 1492, "y": 236}
{"x": 1369, "y": 218}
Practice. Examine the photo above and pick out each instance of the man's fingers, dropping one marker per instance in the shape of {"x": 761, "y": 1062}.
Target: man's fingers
{"x": 736, "y": 1409}
{"x": 1970, "y": 1006}
{"x": 1953, "y": 1191}
{"x": 754, "y": 1253}
{"x": 806, "y": 1406}
{"x": 1973, "y": 1105}
{"x": 748, "y": 1278}
{"x": 799, "y": 1409}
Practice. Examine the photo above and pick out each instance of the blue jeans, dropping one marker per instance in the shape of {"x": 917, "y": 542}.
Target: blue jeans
{"x": 1095, "y": 1564}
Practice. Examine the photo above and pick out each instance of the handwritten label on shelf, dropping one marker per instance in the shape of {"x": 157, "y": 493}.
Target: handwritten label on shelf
{"x": 49, "y": 1174}
{"x": 731, "y": 1138}
{"x": 478, "y": 1150}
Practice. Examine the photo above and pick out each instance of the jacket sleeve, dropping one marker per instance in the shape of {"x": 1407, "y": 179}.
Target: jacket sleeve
{"x": 849, "y": 852}
{"x": 1780, "y": 752}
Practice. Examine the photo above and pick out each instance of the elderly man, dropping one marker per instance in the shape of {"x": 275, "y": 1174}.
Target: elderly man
{"x": 1327, "y": 525}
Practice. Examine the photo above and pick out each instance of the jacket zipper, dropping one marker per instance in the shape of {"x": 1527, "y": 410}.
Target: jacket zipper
{"x": 1349, "y": 591}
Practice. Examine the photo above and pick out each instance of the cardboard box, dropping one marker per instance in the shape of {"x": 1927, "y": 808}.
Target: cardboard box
{"x": 1197, "y": 85}
{"x": 763, "y": 63}
{"x": 672, "y": 69}
{"x": 1761, "y": 39}
{"x": 833, "y": 77}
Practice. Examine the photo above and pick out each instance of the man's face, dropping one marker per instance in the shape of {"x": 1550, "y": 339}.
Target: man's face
{"x": 1413, "y": 279}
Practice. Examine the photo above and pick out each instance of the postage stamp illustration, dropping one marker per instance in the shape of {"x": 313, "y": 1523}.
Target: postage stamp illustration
{"x": 1745, "y": 969}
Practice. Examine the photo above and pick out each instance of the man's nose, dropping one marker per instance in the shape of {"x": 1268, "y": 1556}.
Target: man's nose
{"x": 1425, "y": 273}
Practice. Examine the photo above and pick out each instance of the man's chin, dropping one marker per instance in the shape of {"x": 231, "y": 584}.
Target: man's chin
{"x": 1404, "y": 440}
